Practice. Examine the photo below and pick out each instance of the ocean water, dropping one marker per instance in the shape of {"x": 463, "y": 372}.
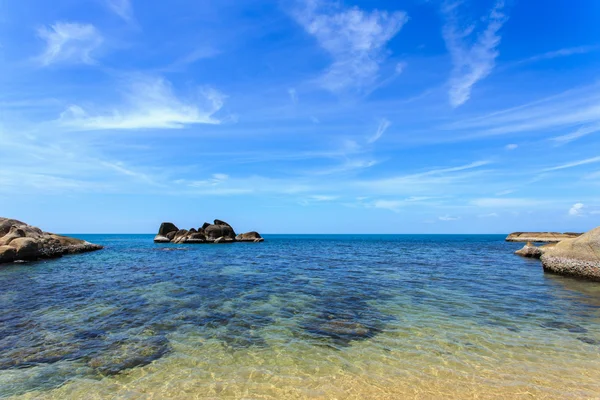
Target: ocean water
{"x": 298, "y": 317}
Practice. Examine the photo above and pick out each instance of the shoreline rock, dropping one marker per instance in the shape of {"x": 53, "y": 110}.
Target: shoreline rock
{"x": 532, "y": 251}
{"x": 22, "y": 242}
{"x": 215, "y": 233}
{"x": 578, "y": 257}
{"x": 543, "y": 237}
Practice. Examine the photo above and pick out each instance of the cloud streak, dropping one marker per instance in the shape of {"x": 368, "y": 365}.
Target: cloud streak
{"x": 475, "y": 62}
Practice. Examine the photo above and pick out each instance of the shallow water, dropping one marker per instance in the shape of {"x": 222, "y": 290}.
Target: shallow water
{"x": 393, "y": 316}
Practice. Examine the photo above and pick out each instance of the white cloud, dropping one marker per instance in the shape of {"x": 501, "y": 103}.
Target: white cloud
{"x": 355, "y": 39}
{"x": 582, "y": 131}
{"x": 577, "y": 209}
{"x": 322, "y": 197}
{"x": 573, "y": 164}
{"x": 69, "y": 42}
{"x": 383, "y": 125}
{"x": 448, "y": 218}
{"x": 511, "y": 146}
{"x": 471, "y": 63}
{"x": 149, "y": 103}
{"x": 122, "y": 8}
{"x": 561, "y": 53}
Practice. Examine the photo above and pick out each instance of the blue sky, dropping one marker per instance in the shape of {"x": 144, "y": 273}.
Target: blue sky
{"x": 306, "y": 116}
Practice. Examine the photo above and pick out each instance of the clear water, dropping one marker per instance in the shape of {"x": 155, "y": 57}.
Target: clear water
{"x": 327, "y": 316}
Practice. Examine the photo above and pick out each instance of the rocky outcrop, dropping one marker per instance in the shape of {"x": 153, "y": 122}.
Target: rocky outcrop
{"x": 532, "y": 251}
{"x": 249, "y": 237}
{"x": 547, "y": 237}
{"x": 578, "y": 257}
{"x": 22, "y": 242}
{"x": 217, "y": 232}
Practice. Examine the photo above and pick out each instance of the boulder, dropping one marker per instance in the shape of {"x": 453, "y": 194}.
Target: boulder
{"x": 167, "y": 227}
{"x": 579, "y": 257}
{"x": 530, "y": 251}
{"x": 7, "y": 254}
{"x": 249, "y": 237}
{"x": 22, "y": 242}
{"x": 161, "y": 239}
{"x": 547, "y": 237}
{"x": 216, "y": 231}
{"x": 25, "y": 248}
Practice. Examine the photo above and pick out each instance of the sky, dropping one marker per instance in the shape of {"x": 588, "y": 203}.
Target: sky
{"x": 301, "y": 116}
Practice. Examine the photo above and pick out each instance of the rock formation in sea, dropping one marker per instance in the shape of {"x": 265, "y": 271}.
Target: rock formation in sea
{"x": 578, "y": 257}
{"x": 22, "y": 242}
{"x": 547, "y": 237}
{"x": 532, "y": 251}
{"x": 217, "y": 232}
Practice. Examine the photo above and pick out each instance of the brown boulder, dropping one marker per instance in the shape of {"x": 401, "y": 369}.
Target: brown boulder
{"x": 19, "y": 241}
{"x": 25, "y": 248}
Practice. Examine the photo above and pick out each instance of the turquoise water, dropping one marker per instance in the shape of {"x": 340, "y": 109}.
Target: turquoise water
{"x": 298, "y": 316}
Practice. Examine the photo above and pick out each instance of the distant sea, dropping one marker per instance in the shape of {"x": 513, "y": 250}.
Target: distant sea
{"x": 298, "y": 317}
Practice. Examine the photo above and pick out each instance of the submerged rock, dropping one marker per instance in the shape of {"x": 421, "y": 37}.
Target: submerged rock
{"x": 579, "y": 257}
{"x": 217, "y": 232}
{"x": 129, "y": 354}
{"x": 22, "y": 242}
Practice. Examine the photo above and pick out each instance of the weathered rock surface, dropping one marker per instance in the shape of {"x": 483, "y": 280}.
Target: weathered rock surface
{"x": 578, "y": 257}
{"x": 548, "y": 237}
{"x": 532, "y": 251}
{"x": 217, "y": 232}
{"x": 22, "y": 242}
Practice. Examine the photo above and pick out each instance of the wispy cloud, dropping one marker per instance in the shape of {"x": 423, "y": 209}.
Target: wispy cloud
{"x": 383, "y": 125}
{"x": 511, "y": 146}
{"x": 471, "y": 63}
{"x": 569, "y": 109}
{"x": 354, "y": 38}
{"x": 560, "y": 53}
{"x": 573, "y": 164}
{"x": 149, "y": 103}
{"x": 122, "y": 8}
{"x": 68, "y": 42}
{"x": 577, "y": 210}
{"x": 581, "y": 132}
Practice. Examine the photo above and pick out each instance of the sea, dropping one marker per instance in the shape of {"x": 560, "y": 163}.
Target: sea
{"x": 298, "y": 317}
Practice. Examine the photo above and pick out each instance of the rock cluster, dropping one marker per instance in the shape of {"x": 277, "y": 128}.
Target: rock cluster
{"x": 217, "y": 232}
{"x": 578, "y": 257}
{"x": 22, "y": 242}
{"x": 547, "y": 237}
